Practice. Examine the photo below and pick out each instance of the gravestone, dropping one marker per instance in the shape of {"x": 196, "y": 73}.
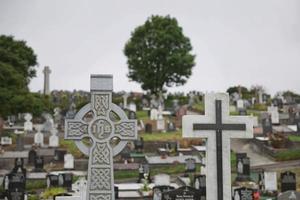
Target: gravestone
{"x": 19, "y": 140}
{"x": 267, "y": 125}
{"x": 218, "y": 127}
{"x": 47, "y": 72}
{"x": 101, "y": 130}
{"x": 80, "y": 187}
{"x": 6, "y": 141}
{"x": 59, "y": 155}
{"x": 148, "y": 128}
{"x": 39, "y": 164}
{"x": 153, "y": 114}
{"x": 71, "y": 112}
{"x": 131, "y": 115}
{"x": 243, "y": 194}
{"x": 200, "y": 184}
{"x": 144, "y": 172}
{"x": 125, "y": 97}
{"x": 57, "y": 115}
{"x": 69, "y": 161}
{"x": 132, "y": 107}
{"x": 159, "y": 190}
{"x": 139, "y": 144}
{"x": 39, "y": 137}
{"x": 160, "y": 124}
{"x": 171, "y": 127}
{"x": 240, "y": 104}
{"x": 270, "y": 181}
{"x": 28, "y": 123}
{"x": 31, "y": 156}
{"x": 242, "y": 112}
{"x": 273, "y": 111}
{"x": 289, "y": 195}
{"x": 288, "y": 181}
{"x": 65, "y": 180}
{"x": 49, "y": 123}
{"x": 183, "y": 193}
{"x": 162, "y": 179}
{"x": 243, "y": 167}
{"x": 54, "y": 139}
{"x": 52, "y": 180}
{"x": 190, "y": 165}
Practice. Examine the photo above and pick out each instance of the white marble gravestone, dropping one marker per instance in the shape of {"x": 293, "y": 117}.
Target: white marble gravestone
{"x": 6, "y": 140}
{"x": 54, "y": 139}
{"x": 132, "y": 106}
{"x": 218, "y": 127}
{"x": 68, "y": 161}
{"x": 270, "y": 181}
{"x": 162, "y": 179}
{"x": 125, "y": 97}
{"x": 39, "y": 137}
{"x": 80, "y": 187}
{"x": 28, "y": 123}
{"x": 101, "y": 129}
{"x": 240, "y": 104}
{"x": 153, "y": 114}
{"x": 273, "y": 111}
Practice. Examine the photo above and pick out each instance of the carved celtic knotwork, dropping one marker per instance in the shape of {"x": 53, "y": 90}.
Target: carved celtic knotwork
{"x": 101, "y": 104}
{"x": 101, "y": 154}
{"x": 101, "y": 129}
{"x": 76, "y": 129}
{"x": 125, "y": 129}
{"x": 101, "y": 179}
{"x": 100, "y": 197}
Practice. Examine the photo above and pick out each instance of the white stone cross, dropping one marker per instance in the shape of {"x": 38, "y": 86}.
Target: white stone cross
{"x": 218, "y": 127}
{"x": 108, "y": 122}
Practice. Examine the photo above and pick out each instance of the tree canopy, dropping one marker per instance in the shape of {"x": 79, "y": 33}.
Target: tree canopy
{"x": 159, "y": 55}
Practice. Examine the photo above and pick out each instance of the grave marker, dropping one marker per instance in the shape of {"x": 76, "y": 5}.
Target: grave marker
{"x": 288, "y": 181}
{"x": 28, "y": 123}
{"x": 101, "y": 130}
{"x": 182, "y": 193}
{"x": 218, "y": 127}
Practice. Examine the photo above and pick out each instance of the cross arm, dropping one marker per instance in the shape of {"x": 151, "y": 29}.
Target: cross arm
{"x": 126, "y": 129}
{"x": 75, "y": 129}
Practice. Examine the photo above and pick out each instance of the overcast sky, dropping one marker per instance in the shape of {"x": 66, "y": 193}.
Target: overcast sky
{"x": 236, "y": 42}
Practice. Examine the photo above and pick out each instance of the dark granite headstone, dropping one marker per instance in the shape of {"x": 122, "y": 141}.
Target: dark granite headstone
{"x": 159, "y": 190}
{"x": 267, "y": 125}
{"x": 31, "y": 156}
{"x": 131, "y": 115}
{"x": 183, "y": 193}
{"x": 144, "y": 169}
{"x": 148, "y": 128}
{"x": 52, "y": 180}
{"x": 243, "y": 167}
{"x": 242, "y": 112}
{"x": 19, "y": 143}
{"x": 243, "y": 193}
{"x": 200, "y": 184}
{"x": 59, "y": 155}
{"x": 288, "y": 181}
{"x": 39, "y": 164}
{"x": 289, "y": 195}
{"x": 65, "y": 180}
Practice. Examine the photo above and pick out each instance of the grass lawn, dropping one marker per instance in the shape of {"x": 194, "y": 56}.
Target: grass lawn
{"x": 167, "y": 136}
{"x": 294, "y": 138}
{"x": 142, "y": 115}
{"x": 292, "y": 154}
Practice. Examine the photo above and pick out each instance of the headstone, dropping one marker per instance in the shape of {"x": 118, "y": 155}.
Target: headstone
{"x": 243, "y": 167}
{"x": 80, "y": 187}
{"x": 125, "y": 97}
{"x": 49, "y": 123}
{"x": 31, "y": 156}
{"x": 218, "y": 127}
{"x": 273, "y": 111}
{"x": 65, "y": 180}
{"x": 162, "y": 179}
{"x": 190, "y": 165}
{"x": 69, "y": 161}
{"x": 243, "y": 194}
{"x": 160, "y": 124}
{"x": 289, "y": 195}
{"x": 59, "y": 155}
{"x": 39, "y": 164}
{"x": 153, "y": 114}
{"x": 148, "y": 128}
{"x": 132, "y": 107}
{"x": 139, "y": 144}
{"x": 71, "y": 112}
{"x": 54, "y": 139}
{"x": 240, "y": 104}
{"x": 242, "y": 112}
{"x": 28, "y": 123}
{"x": 131, "y": 115}
{"x": 288, "y": 181}
{"x": 6, "y": 141}
{"x": 39, "y": 137}
{"x": 52, "y": 180}
{"x": 144, "y": 173}
{"x": 101, "y": 130}
{"x": 19, "y": 140}
{"x": 200, "y": 184}
{"x": 159, "y": 190}
{"x": 270, "y": 181}
{"x": 267, "y": 126}
{"x": 171, "y": 127}
{"x": 57, "y": 115}
{"x": 183, "y": 193}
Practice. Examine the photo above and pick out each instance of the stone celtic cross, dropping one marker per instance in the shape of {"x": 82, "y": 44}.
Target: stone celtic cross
{"x": 218, "y": 127}
{"x": 106, "y": 123}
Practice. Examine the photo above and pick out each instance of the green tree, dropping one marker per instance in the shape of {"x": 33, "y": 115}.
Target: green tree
{"x": 17, "y": 67}
{"x": 159, "y": 55}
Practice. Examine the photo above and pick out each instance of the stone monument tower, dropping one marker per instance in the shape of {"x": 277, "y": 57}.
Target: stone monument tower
{"x": 46, "y": 72}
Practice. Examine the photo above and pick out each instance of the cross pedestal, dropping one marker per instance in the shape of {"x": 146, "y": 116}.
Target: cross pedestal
{"x": 103, "y": 123}
{"x": 218, "y": 127}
